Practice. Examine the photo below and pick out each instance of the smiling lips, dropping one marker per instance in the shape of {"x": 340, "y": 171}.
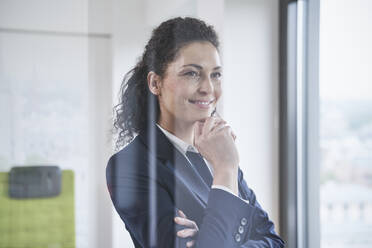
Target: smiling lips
{"x": 202, "y": 104}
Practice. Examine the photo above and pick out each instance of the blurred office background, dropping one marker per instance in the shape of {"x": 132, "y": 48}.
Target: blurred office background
{"x": 62, "y": 63}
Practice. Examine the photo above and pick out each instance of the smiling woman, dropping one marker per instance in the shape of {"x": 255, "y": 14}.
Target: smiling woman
{"x": 190, "y": 88}
{"x": 177, "y": 182}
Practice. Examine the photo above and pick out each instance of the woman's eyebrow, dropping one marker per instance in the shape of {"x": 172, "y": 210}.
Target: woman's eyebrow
{"x": 200, "y": 67}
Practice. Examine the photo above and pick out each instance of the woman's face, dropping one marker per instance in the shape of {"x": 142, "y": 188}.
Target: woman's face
{"x": 191, "y": 85}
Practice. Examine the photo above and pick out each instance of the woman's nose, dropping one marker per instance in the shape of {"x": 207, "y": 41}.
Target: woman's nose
{"x": 206, "y": 86}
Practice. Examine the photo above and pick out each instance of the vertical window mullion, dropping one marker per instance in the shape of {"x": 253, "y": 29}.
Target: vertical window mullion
{"x": 299, "y": 214}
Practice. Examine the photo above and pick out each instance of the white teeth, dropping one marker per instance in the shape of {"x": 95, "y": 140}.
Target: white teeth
{"x": 201, "y": 102}
{"x": 204, "y": 103}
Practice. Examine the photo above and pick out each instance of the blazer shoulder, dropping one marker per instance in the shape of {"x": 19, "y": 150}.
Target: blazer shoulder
{"x": 131, "y": 156}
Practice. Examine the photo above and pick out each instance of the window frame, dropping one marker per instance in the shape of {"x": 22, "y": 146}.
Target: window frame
{"x": 299, "y": 123}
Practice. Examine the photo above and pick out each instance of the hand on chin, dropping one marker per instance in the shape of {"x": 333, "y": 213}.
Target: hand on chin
{"x": 204, "y": 118}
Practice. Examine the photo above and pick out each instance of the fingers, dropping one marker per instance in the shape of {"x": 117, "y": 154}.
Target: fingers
{"x": 198, "y": 130}
{"x": 212, "y": 124}
{"x": 185, "y": 233}
{"x": 223, "y": 127}
{"x": 208, "y": 124}
{"x": 182, "y": 214}
{"x": 185, "y": 222}
{"x": 233, "y": 135}
{"x": 218, "y": 125}
{"x": 190, "y": 243}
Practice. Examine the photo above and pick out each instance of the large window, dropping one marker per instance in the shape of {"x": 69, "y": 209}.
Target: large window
{"x": 345, "y": 84}
{"x": 326, "y": 123}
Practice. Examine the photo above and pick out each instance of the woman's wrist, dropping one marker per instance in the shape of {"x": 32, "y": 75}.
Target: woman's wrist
{"x": 227, "y": 178}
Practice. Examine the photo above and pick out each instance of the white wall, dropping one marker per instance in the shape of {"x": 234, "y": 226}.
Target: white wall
{"x": 129, "y": 34}
{"x": 55, "y": 77}
{"x": 250, "y": 100}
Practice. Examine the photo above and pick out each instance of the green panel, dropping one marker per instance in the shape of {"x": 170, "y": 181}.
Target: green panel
{"x": 38, "y": 222}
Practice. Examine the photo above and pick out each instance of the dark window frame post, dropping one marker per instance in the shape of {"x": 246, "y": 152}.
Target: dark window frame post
{"x": 299, "y": 127}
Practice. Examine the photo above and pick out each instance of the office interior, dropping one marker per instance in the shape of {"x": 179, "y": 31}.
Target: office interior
{"x": 296, "y": 91}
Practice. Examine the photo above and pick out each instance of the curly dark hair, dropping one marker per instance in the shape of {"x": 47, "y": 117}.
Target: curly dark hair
{"x": 131, "y": 115}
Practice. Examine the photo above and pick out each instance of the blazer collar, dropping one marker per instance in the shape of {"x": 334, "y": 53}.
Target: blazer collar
{"x": 175, "y": 161}
{"x": 181, "y": 145}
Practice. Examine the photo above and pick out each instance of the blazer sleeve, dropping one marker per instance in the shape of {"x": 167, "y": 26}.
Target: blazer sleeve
{"x": 231, "y": 222}
{"x": 236, "y": 224}
{"x": 224, "y": 214}
{"x": 260, "y": 230}
{"x": 130, "y": 193}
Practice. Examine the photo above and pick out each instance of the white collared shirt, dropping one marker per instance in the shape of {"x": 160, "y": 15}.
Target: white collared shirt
{"x": 183, "y": 147}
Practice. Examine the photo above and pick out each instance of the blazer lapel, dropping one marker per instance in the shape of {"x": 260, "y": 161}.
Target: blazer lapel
{"x": 175, "y": 161}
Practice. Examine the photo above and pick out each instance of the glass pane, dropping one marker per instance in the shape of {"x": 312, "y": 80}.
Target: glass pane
{"x": 61, "y": 67}
{"x": 50, "y": 74}
{"x": 346, "y": 123}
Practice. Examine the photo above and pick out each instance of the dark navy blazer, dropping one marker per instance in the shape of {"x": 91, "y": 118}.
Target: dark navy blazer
{"x": 223, "y": 219}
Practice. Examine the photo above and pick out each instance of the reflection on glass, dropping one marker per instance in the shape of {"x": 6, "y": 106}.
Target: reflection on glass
{"x": 346, "y": 124}
{"x": 171, "y": 182}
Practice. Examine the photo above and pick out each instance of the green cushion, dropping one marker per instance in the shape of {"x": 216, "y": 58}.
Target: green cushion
{"x": 38, "y": 222}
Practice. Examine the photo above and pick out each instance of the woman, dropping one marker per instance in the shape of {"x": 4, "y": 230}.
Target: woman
{"x": 178, "y": 182}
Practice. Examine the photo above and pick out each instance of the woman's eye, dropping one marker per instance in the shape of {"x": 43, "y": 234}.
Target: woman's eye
{"x": 191, "y": 74}
{"x": 216, "y": 75}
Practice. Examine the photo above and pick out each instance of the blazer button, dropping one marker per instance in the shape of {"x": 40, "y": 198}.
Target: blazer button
{"x": 237, "y": 237}
{"x": 243, "y": 221}
{"x": 241, "y": 229}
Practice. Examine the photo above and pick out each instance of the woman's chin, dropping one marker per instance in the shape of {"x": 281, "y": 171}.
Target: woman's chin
{"x": 202, "y": 118}
{"x": 196, "y": 116}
